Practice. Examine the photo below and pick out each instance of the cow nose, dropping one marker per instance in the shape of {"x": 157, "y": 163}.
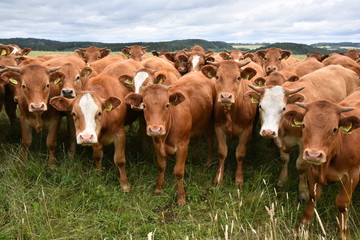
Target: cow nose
{"x": 268, "y": 133}
{"x": 155, "y": 130}
{"x": 68, "y": 93}
{"x": 271, "y": 69}
{"x": 37, "y": 107}
{"x": 86, "y": 138}
{"x": 317, "y": 156}
{"x": 226, "y": 97}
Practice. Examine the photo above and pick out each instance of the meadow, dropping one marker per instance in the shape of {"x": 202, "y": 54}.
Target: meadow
{"x": 76, "y": 201}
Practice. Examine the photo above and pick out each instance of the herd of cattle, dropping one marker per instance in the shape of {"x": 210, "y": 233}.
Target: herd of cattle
{"x": 313, "y": 104}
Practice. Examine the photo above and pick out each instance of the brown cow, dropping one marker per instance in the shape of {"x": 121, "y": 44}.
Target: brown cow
{"x": 351, "y": 53}
{"x": 331, "y": 82}
{"x": 179, "y": 60}
{"x": 99, "y": 115}
{"x": 318, "y": 56}
{"x": 135, "y": 52}
{"x": 236, "y": 55}
{"x": 172, "y": 117}
{"x": 34, "y": 83}
{"x": 92, "y": 53}
{"x": 275, "y": 59}
{"x": 18, "y": 51}
{"x": 343, "y": 61}
{"x": 196, "y": 58}
{"x": 99, "y": 65}
{"x": 290, "y": 73}
{"x": 234, "y": 115}
{"x": 330, "y": 151}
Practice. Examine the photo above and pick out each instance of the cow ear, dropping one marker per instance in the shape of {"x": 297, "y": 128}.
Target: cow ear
{"x": 347, "y": 124}
{"x": 80, "y": 52}
{"x": 133, "y": 99}
{"x": 169, "y": 56}
{"x": 248, "y": 73}
{"x": 5, "y": 50}
{"x": 111, "y": 103}
{"x": 126, "y": 52}
{"x": 86, "y": 71}
{"x": 323, "y": 57}
{"x": 224, "y": 55}
{"x": 105, "y": 52}
{"x": 260, "y": 81}
{"x": 261, "y": 54}
{"x": 285, "y": 54}
{"x": 253, "y": 96}
{"x": 127, "y": 80}
{"x": 155, "y": 53}
{"x": 62, "y": 104}
{"x": 297, "y": 97}
{"x": 10, "y": 77}
{"x": 293, "y": 78}
{"x": 295, "y": 118}
{"x": 25, "y": 51}
{"x": 183, "y": 58}
{"x": 160, "y": 79}
{"x": 209, "y": 71}
{"x": 209, "y": 59}
{"x": 176, "y": 98}
{"x": 341, "y": 53}
{"x": 57, "y": 77}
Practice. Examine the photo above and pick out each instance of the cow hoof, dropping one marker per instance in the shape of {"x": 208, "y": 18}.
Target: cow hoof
{"x": 303, "y": 197}
{"x": 125, "y": 188}
{"x": 157, "y": 191}
{"x": 52, "y": 166}
{"x": 181, "y": 201}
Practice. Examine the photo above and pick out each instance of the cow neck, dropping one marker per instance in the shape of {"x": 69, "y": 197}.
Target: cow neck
{"x": 161, "y": 140}
{"x": 229, "y": 123}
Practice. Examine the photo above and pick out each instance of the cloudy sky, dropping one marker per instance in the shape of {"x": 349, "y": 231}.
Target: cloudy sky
{"x": 250, "y": 21}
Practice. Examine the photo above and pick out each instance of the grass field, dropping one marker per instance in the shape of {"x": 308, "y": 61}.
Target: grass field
{"x": 75, "y": 201}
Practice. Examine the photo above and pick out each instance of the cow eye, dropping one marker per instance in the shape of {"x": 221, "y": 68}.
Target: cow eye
{"x": 23, "y": 86}
{"x": 334, "y": 130}
{"x": 167, "y": 106}
{"x": 265, "y": 58}
{"x": 77, "y": 78}
{"x": 99, "y": 114}
{"x": 279, "y": 59}
{"x": 260, "y": 106}
{"x": 98, "y": 57}
{"x": 284, "y": 108}
{"x": 216, "y": 77}
{"x": 47, "y": 85}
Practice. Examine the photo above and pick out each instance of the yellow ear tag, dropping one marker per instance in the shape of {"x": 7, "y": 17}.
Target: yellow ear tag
{"x": 128, "y": 82}
{"x": 109, "y": 107}
{"x": 160, "y": 81}
{"x": 57, "y": 81}
{"x": 347, "y": 129}
{"x": 261, "y": 83}
{"x": 209, "y": 75}
{"x": 3, "y": 52}
{"x": 297, "y": 123}
{"x": 247, "y": 77}
{"x": 254, "y": 100}
{"x": 13, "y": 81}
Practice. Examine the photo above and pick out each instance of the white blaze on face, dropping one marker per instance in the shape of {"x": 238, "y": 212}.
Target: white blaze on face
{"x": 195, "y": 61}
{"x": 88, "y": 108}
{"x": 139, "y": 79}
{"x": 271, "y": 110}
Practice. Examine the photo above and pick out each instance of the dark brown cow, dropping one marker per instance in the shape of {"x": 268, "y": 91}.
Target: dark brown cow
{"x": 331, "y": 82}
{"x": 179, "y": 59}
{"x": 318, "y": 56}
{"x": 92, "y": 53}
{"x": 99, "y": 115}
{"x": 275, "y": 59}
{"x": 343, "y": 61}
{"x": 234, "y": 115}
{"x": 351, "y": 53}
{"x": 290, "y": 73}
{"x": 236, "y": 55}
{"x": 330, "y": 151}
{"x": 196, "y": 58}
{"x": 171, "y": 127}
{"x": 135, "y": 52}
{"x": 34, "y": 83}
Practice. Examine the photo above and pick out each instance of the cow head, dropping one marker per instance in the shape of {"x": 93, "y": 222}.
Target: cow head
{"x": 322, "y": 123}
{"x": 157, "y": 102}
{"x": 318, "y": 56}
{"x": 235, "y": 55}
{"x": 87, "y": 110}
{"x": 272, "y": 102}
{"x": 228, "y": 75}
{"x": 271, "y": 59}
{"x": 92, "y": 53}
{"x": 274, "y": 79}
{"x": 33, "y": 84}
{"x": 135, "y": 52}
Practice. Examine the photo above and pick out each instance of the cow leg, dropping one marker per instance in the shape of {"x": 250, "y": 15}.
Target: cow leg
{"x": 343, "y": 200}
{"x": 244, "y": 138}
{"x": 161, "y": 164}
{"x": 222, "y": 151}
{"x": 119, "y": 159}
{"x": 209, "y": 143}
{"x": 315, "y": 193}
{"x": 142, "y": 134}
{"x": 98, "y": 154}
{"x": 179, "y": 171}
{"x": 26, "y": 139}
{"x": 284, "y": 158}
{"x": 10, "y": 106}
{"x": 52, "y": 139}
{"x": 72, "y": 133}
{"x": 301, "y": 167}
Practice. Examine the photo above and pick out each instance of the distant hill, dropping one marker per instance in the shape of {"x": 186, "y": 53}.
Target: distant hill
{"x": 50, "y": 45}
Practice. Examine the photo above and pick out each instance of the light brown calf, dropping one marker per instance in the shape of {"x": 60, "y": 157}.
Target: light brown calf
{"x": 92, "y": 53}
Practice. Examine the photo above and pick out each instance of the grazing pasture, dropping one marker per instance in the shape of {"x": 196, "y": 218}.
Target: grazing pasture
{"x": 76, "y": 201}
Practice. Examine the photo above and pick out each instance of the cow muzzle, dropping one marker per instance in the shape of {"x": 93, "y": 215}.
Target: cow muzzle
{"x": 268, "y": 133}
{"x": 315, "y": 157}
{"x": 270, "y": 69}
{"x": 68, "y": 93}
{"x": 86, "y": 138}
{"x": 226, "y": 99}
{"x": 154, "y": 131}
{"x": 37, "y": 107}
